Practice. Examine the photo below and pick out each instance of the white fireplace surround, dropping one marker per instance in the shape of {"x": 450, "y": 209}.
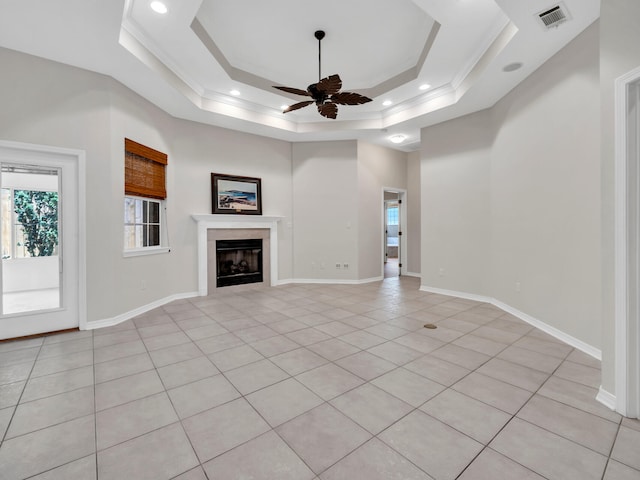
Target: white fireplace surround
{"x": 219, "y": 222}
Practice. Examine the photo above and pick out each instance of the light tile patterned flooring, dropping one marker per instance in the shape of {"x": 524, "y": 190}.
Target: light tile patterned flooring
{"x": 310, "y": 382}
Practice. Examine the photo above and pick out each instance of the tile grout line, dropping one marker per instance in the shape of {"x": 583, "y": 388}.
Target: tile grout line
{"x": 15, "y": 407}
{"x": 95, "y": 410}
{"x": 336, "y": 305}
{"x": 515, "y": 415}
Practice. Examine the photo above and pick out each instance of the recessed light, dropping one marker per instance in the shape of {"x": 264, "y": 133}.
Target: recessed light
{"x": 398, "y": 138}
{"x": 425, "y": 86}
{"x": 284, "y": 107}
{"x": 386, "y": 103}
{"x": 158, "y": 7}
{"x": 235, "y": 92}
{"x": 512, "y": 67}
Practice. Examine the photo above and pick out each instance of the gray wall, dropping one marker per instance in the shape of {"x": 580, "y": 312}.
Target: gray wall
{"x": 325, "y": 203}
{"x": 378, "y": 167}
{"x": 52, "y": 104}
{"x": 338, "y": 207}
{"x": 511, "y": 197}
{"x": 315, "y": 187}
{"x": 619, "y": 54}
{"x": 545, "y": 186}
{"x": 455, "y": 173}
{"x": 414, "y": 198}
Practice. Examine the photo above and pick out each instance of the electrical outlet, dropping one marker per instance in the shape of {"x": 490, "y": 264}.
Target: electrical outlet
{"x": 441, "y": 272}
{"x": 143, "y": 285}
{"x": 345, "y": 266}
{"x": 517, "y": 286}
{"x": 337, "y": 265}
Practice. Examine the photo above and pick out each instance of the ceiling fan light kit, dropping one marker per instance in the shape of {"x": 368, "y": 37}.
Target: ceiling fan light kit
{"x": 326, "y": 93}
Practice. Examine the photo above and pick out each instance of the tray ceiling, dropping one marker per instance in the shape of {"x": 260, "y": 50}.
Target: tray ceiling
{"x": 188, "y": 60}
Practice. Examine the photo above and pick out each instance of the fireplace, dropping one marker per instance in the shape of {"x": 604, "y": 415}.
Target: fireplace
{"x": 212, "y": 228}
{"x": 238, "y": 262}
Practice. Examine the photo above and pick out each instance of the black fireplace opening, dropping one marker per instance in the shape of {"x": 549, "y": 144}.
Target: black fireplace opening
{"x": 239, "y": 262}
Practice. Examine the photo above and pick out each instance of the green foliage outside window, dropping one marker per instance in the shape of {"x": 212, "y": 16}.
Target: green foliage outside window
{"x": 37, "y": 212}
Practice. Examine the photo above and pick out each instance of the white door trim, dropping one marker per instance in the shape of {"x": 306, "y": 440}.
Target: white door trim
{"x": 28, "y": 151}
{"x": 627, "y": 243}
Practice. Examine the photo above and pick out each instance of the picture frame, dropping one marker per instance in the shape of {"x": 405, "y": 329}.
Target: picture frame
{"x": 236, "y": 195}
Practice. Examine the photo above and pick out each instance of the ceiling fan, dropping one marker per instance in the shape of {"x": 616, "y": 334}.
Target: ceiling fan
{"x": 326, "y": 93}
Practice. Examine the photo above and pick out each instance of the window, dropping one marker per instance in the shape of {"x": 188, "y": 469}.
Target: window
{"x": 145, "y": 194}
{"x": 141, "y": 223}
{"x": 392, "y": 216}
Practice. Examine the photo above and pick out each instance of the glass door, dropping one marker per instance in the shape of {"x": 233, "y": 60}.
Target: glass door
{"x": 39, "y": 233}
{"x": 30, "y": 239}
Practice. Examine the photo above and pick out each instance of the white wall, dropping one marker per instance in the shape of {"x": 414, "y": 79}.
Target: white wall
{"x": 511, "y": 194}
{"x": 325, "y": 210}
{"x": 378, "y": 167}
{"x": 619, "y": 54}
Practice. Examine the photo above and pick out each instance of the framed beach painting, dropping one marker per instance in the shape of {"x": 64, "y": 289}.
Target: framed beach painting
{"x": 236, "y": 195}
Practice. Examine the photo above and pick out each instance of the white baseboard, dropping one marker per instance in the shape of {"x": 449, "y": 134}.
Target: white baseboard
{"x": 286, "y": 281}
{"x": 412, "y": 274}
{"x": 453, "y": 293}
{"x": 554, "y": 332}
{"x": 123, "y": 317}
{"x": 328, "y": 281}
{"x": 606, "y": 398}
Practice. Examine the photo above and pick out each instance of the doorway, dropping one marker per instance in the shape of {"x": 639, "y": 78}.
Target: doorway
{"x": 627, "y": 244}
{"x": 42, "y": 275}
{"x": 394, "y": 243}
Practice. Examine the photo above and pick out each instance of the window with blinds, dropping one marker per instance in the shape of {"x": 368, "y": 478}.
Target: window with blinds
{"x": 145, "y": 193}
{"x": 144, "y": 171}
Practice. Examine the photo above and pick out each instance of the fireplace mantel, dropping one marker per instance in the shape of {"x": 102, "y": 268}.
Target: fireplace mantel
{"x": 207, "y": 221}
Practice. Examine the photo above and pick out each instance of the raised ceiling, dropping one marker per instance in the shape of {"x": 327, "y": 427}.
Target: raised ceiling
{"x": 188, "y": 60}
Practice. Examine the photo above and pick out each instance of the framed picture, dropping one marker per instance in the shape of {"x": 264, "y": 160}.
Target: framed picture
{"x": 236, "y": 195}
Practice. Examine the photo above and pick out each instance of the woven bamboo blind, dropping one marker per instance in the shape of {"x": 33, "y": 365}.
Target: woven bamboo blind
{"x": 144, "y": 171}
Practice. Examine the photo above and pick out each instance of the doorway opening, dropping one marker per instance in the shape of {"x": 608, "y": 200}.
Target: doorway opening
{"x": 394, "y": 243}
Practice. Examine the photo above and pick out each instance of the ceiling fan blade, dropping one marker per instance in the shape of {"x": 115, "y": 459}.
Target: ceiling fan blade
{"x": 329, "y": 110}
{"x": 329, "y": 85}
{"x": 295, "y": 91}
{"x": 296, "y": 106}
{"x": 349, "y": 98}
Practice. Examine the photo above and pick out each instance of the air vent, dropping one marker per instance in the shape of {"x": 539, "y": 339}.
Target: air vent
{"x": 554, "y": 16}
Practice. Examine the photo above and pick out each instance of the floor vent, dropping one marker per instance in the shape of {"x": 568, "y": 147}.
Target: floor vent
{"x": 554, "y": 16}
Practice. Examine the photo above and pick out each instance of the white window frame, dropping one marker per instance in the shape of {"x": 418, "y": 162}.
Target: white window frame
{"x": 153, "y": 249}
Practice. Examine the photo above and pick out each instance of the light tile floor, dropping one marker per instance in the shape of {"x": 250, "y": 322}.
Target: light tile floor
{"x": 310, "y": 382}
